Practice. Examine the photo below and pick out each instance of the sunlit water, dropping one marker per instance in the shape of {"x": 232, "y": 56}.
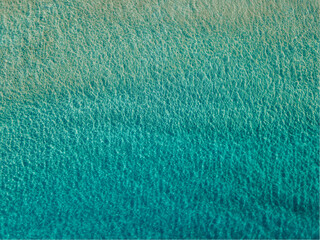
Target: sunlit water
{"x": 220, "y": 144}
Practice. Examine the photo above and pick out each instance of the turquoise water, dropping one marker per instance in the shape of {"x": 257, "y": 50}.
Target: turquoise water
{"x": 115, "y": 128}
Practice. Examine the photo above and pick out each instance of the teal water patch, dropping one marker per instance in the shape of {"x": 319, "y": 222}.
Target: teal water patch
{"x": 91, "y": 179}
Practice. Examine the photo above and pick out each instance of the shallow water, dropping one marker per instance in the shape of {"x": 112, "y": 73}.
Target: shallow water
{"x": 60, "y": 179}
{"x": 124, "y": 130}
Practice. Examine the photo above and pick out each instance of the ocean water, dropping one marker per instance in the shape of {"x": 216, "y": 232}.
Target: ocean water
{"x": 146, "y": 120}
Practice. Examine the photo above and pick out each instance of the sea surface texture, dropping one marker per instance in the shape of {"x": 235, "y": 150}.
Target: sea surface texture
{"x": 159, "y": 119}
